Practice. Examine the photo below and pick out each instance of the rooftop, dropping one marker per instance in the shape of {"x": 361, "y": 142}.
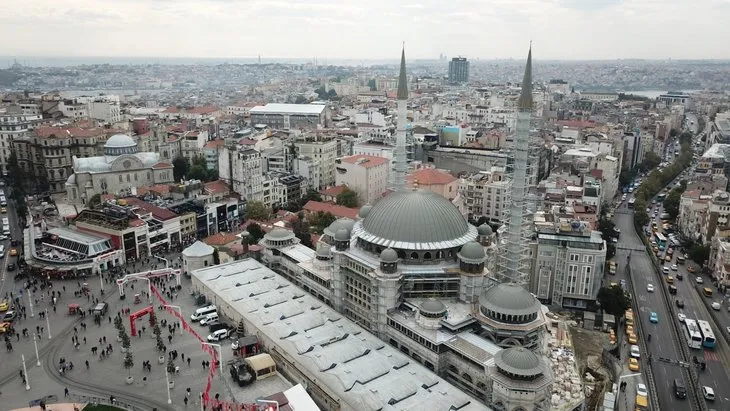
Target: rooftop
{"x": 431, "y": 176}
{"x": 280, "y": 108}
{"x": 334, "y": 209}
{"x": 355, "y": 366}
{"x": 365, "y": 160}
{"x": 157, "y": 212}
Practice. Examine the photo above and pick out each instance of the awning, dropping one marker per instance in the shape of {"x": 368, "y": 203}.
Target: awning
{"x": 261, "y": 362}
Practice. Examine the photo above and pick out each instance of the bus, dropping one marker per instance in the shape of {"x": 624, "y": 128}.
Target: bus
{"x": 642, "y": 403}
{"x": 631, "y": 202}
{"x": 692, "y": 333}
{"x": 708, "y": 337}
{"x": 660, "y": 239}
{"x": 660, "y": 197}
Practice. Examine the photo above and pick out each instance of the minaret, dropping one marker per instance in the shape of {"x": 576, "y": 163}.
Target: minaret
{"x": 514, "y": 262}
{"x": 400, "y": 169}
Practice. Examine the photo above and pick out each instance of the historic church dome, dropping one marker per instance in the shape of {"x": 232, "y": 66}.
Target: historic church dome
{"x": 119, "y": 144}
{"x": 415, "y": 220}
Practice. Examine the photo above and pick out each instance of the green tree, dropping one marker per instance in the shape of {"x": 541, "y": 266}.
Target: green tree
{"x": 159, "y": 343}
{"x": 255, "y": 233}
{"x": 625, "y": 178}
{"x": 608, "y": 231}
{"x": 216, "y": 257}
{"x": 94, "y": 202}
{"x": 322, "y": 220}
{"x": 651, "y": 161}
{"x": 699, "y": 253}
{"x": 301, "y": 231}
{"x": 347, "y": 198}
{"x": 128, "y": 362}
{"x": 373, "y": 85}
{"x": 180, "y": 167}
{"x": 42, "y": 184}
{"x": 256, "y": 210}
{"x": 613, "y": 301}
{"x": 671, "y": 203}
{"x": 673, "y": 133}
{"x": 301, "y": 100}
{"x": 16, "y": 177}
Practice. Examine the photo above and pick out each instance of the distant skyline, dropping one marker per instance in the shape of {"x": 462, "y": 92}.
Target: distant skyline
{"x": 352, "y": 30}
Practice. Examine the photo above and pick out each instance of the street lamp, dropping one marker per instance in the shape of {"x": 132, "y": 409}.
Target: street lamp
{"x": 37, "y": 358}
{"x": 167, "y": 380}
{"x": 48, "y": 324}
{"x": 30, "y": 302}
{"x": 25, "y": 373}
{"x": 101, "y": 282}
{"x": 179, "y": 310}
{"x": 220, "y": 354}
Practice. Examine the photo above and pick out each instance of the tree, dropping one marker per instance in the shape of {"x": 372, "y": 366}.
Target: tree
{"x": 257, "y": 210}
{"x": 673, "y": 133}
{"x": 625, "y": 178}
{"x": 608, "y": 231}
{"x": 16, "y": 177}
{"x": 160, "y": 345}
{"x": 301, "y": 231}
{"x": 613, "y": 300}
{"x": 128, "y": 362}
{"x": 180, "y": 167}
{"x": 322, "y": 220}
{"x": 216, "y": 257}
{"x": 699, "y": 253}
{"x": 347, "y": 198}
{"x": 301, "y": 100}
{"x": 651, "y": 161}
{"x": 42, "y": 184}
{"x": 94, "y": 202}
{"x": 671, "y": 203}
{"x": 255, "y": 233}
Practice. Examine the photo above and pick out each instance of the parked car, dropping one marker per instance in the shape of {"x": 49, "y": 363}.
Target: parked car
{"x": 681, "y": 317}
{"x": 699, "y": 280}
{"x": 653, "y": 317}
{"x": 635, "y": 352}
{"x": 679, "y": 303}
{"x": 220, "y": 335}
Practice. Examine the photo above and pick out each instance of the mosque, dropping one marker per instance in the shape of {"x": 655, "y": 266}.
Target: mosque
{"x": 411, "y": 270}
{"x": 118, "y": 171}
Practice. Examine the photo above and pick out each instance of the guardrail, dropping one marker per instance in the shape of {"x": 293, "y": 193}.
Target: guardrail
{"x": 637, "y": 322}
{"x": 91, "y": 399}
{"x": 690, "y": 372}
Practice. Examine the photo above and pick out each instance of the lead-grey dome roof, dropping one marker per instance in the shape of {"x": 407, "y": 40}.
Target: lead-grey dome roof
{"x": 323, "y": 250}
{"x": 336, "y": 225}
{"x": 365, "y": 210}
{"x": 389, "y": 255}
{"x": 472, "y": 252}
{"x": 519, "y": 361}
{"x": 279, "y": 233}
{"x": 120, "y": 140}
{"x": 420, "y": 220}
{"x": 484, "y": 229}
{"x": 432, "y": 306}
{"x": 342, "y": 235}
{"x": 509, "y": 299}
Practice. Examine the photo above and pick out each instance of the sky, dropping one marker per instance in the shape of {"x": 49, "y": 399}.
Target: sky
{"x": 367, "y": 29}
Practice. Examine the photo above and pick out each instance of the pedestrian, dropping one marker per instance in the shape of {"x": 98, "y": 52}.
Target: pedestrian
{"x": 207, "y": 364}
{"x": 203, "y": 364}
{"x": 188, "y": 361}
{"x": 182, "y": 356}
{"x": 169, "y": 339}
{"x": 87, "y": 364}
{"x": 84, "y": 340}
{"x": 65, "y": 392}
{"x": 185, "y": 400}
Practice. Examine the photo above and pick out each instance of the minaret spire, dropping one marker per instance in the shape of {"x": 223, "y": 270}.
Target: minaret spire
{"x": 525, "y": 102}
{"x": 400, "y": 157}
{"x": 402, "y": 77}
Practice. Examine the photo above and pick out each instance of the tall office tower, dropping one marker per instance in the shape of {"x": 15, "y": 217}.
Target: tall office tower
{"x": 514, "y": 261}
{"x": 400, "y": 169}
{"x": 458, "y": 70}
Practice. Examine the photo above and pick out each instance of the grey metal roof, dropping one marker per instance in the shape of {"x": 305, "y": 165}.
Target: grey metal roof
{"x": 472, "y": 252}
{"x": 402, "y": 78}
{"x": 389, "y": 255}
{"x": 336, "y": 225}
{"x": 510, "y": 299}
{"x": 198, "y": 249}
{"x": 485, "y": 229}
{"x": 415, "y": 220}
{"x": 279, "y": 233}
{"x": 519, "y": 361}
{"x": 365, "y": 210}
{"x": 104, "y": 163}
{"x": 432, "y": 306}
{"x": 120, "y": 140}
{"x": 342, "y": 234}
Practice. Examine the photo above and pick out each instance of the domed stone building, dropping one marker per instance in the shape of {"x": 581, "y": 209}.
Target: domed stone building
{"x": 119, "y": 171}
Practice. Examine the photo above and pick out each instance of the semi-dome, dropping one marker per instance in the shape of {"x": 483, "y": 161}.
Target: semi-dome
{"x": 519, "y": 361}
{"x": 342, "y": 235}
{"x": 509, "y": 299}
{"x": 484, "y": 229}
{"x": 365, "y": 210}
{"x": 389, "y": 255}
{"x": 432, "y": 306}
{"x": 119, "y": 144}
{"x": 418, "y": 220}
{"x": 472, "y": 252}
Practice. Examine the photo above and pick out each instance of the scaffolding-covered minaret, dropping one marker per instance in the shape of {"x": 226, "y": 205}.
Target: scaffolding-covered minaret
{"x": 514, "y": 261}
{"x": 400, "y": 161}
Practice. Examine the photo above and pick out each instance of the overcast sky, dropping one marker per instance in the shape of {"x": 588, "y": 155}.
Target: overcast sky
{"x": 367, "y": 29}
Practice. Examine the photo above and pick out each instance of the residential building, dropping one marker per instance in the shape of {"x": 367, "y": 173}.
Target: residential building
{"x": 485, "y": 194}
{"x": 192, "y": 144}
{"x": 323, "y": 150}
{"x": 15, "y": 125}
{"x": 106, "y": 110}
{"x": 459, "y": 70}
{"x": 438, "y": 181}
{"x": 365, "y": 175}
{"x": 247, "y": 174}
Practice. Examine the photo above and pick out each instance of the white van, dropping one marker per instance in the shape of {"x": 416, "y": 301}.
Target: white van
{"x": 209, "y": 319}
{"x": 6, "y": 230}
{"x": 219, "y": 335}
{"x": 202, "y": 312}
{"x": 2, "y": 251}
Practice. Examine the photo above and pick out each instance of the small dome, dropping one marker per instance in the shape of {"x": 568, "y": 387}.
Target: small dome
{"x": 323, "y": 250}
{"x": 336, "y": 225}
{"x": 472, "y": 252}
{"x": 342, "y": 235}
{"x": 519, "y": 361}
{"x": 509, "y": 299}
{"x": 389, "y": 256}
{"x": 432, "y": 306}
{"x": 365, "y": 210}
{"x": 484, "y": 229}
{"x": 279, "y": 233}
{"x": 120, "y": 141}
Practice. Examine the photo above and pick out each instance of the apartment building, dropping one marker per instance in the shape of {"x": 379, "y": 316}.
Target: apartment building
{"x": 485, "y": 194}
{"x": 365, "y": 175}
{"x": 14, "y": 125}
{"x": 192, "y": 144}
{"x": 247, "y": 174}
{"x": 323, "y": 150}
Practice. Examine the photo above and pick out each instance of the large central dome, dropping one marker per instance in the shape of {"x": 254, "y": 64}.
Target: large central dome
{"x": 119, "y": 144}
{"x": 420, "y": 220}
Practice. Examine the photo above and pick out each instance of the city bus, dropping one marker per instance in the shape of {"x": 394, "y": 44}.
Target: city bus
{"x": 660, "y": 239}
{"x": 692, "y": 333}
{"x": 631, "y": 202}
{"x": 708, "y": 337}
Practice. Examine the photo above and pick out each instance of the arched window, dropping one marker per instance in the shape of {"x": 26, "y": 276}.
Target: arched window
{"x": 466, "y": 377}
{"x": 427, "y": 255}
{"x": 414, "y": 256}
{"x": 453, "y": 369}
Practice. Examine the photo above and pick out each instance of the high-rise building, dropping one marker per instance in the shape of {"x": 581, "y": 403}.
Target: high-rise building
{"x": 458, "y": 70}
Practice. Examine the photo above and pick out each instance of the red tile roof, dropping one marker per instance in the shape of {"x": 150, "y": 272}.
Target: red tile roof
{"x": 246, "y": 142}
{"x": 162, "y": 164}
{"x": 220, "y": 239}
{"x": 158, "y": 188}
{"x": 73, "y": 132}
{"x": 333, "y": 191}
{"x": 334, "y": 209}
{"x": 431, "y": 176}
{"x": 157, "y": 212}
{"x": 215, "y": 143}
{"x": 365, "y": 160}
{"x": 203, "y": 110}
{"x": 217, "y": 187}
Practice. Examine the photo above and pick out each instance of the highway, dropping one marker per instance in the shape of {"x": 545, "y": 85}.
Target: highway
{"x": 663, "y": 342}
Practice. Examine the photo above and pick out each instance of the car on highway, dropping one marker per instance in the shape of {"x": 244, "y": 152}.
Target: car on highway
{"x": 641, "y": 390}
{"x": 635, "y": 352}
{"x": 716, "y": 306}
{"x": 699, "y": 280}
{"x": 4, "y": 305}
{"x": 650, "y": 288}
{"x": 727, "y": 329}
{"x": 633, "y": 364}
{"x": 679, "y": 276}
{"x": 4, "y": 210}
{"x": 680, "y": 303}
{"x": 3, "y": 237}
{"x": 665, "y": 270}
{"x": 681, "y": 317}
{"x": 632, "y": 338}
{"x": 674, "y": 267}
{"x": 653, "y": 317}
{"x": 672, "y": 289}
{"x": 11, "y": 267}
{"x": 9, "y": 316}
{"x": 708, "y": 393}
{"x": 691, "y": 269}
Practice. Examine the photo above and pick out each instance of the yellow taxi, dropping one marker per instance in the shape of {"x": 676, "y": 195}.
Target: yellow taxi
{"x": 4, "y": 326}
{"x": 629, "y": 329}
{"x": 632, "y": 338}
{"x": 4, "y": 210}
{"x": 668, "y": 258}
{"x": 4, "y": 305}
{"x": 633, "y": 364}
{"x": 13, "y": 252}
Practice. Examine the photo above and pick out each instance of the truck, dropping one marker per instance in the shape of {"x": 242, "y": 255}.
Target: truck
{"x": 241, "y": 372}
